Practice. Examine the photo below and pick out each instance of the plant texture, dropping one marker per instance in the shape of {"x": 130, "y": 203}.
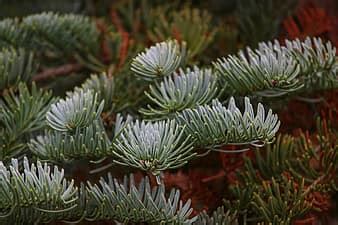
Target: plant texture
{"x": 142, "y": 112}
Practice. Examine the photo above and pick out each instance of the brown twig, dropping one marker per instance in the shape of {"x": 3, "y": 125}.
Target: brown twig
{"x": 123, "y": 51}
{"x": 104, "y": 46}
{"x": 57, "y": 71}
{"x": 116, "y": 21}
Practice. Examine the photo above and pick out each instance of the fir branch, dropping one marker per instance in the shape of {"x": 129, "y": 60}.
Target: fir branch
{"x": 153, "y": 147}
{"x": 22, "y": 114}
{"x": 281, "y": 202}
{"x": 11, "y": 34}
{"x": 273, "y": 160}
{"x": 41, "y": 190}
{"x": 159, "y": 60}
{"x": 104, "y": 86}
{"x": 265, "y": 72}
{"x": 65, "y": 35}
{"x": 218, "y": 217}
{"x": 76, "y": 111}
{"x": 90, "y": 142}
{"x": 274, "y": 70}
{"x": 283, "y": 182}
{"x": 43, "y": 195}
{"x": 16, "y": 66}
{"x": 323, "y": 150}
{"x": 215, "y": 125}
{"x": 182, "y": 90}
{"x": 68, "y": 32}
{"x": 127, "y": 203}
{"x": 318, "y": 62}
{"x": 297, "y": 157}
{"x": 189, "y": 25}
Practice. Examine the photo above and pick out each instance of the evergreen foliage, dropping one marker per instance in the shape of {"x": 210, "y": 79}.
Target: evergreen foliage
{"x": 275, "y": 70}
{"x": 66, "y": 35}
{"x": 22, "y": 114}
{"x": 104, "y": 86}
{"x": 182, "y": 90}
{"x": 42, "y": 193}
{"x": 215, "y": 125}
{"x": 153, "y": 147}
{"x": 16, "y": 66}
{"x": 189, "y": 25}
{"x": 153, "y": 111}
{"x": 127, "y": 203}
{"x": 159, "y": 60}
{"x": 90, "y": 142}
{"x": 76, "y": 111}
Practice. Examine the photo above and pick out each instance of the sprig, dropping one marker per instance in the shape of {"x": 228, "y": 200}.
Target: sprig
{"x": 76, "y": 111}
{"x": 214, "y": 125}
{"x": 22, "y": 114}
{"x": 127, "y": 203}
{"x": 182, "y": 90}
{"x": 104, "y": 86}
{"x": 264, "y": 72}
{"x": 158, "y": 61}
{"x": 218, "y": 217}
{"x": 16, "y": 66}
{"x": 39, "y": 187}
{"x": 90, "y": 142}
{"x": 153, "y": 146}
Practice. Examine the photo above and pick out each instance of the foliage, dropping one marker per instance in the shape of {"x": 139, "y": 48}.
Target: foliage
{"x": 44, "y": 195}
{"x": 104, "y": 86}
{"x": 153, "y": 147}
{"x": 318, "y": 62}
{"x": 127, "y": 203}
{"x": 265, "y": 72}
{"x": 91, "y": 142}
{"x": 282, "y": 186}
{"x": 22, "y": 114}
{"x": 215, "y": 125}
{"x": 159, "y": 60}
{"x": 274, "y": 70}
{"x": 39, "y": 188}
{"x": 66, "y": 35}
{"x": 218, "y": 217}
{"x": 78, "y": 110}
{"x": 160, "y": 110}
{"x": 182, "y": 90}
{"x": 189, "y": 25}
{"x": 259, "y": 20}
{"x": 16, "y": 66}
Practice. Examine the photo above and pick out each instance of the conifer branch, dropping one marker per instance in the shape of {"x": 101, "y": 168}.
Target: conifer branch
{"x": 127, "y": 203}
{"x": 153, "y": 146}
{"x": 76, "y": 111}
{"x": 104, "y": 86}
{"x": 65, "y": 35}
{"x": 16, "y": 66}
{"x": 218, "y": 217}
{"x": 22, "y": 113}
{"x": 182, "y": 90}
{"x": 274, "y": 70}
{"x": 158, "y": 61}
{"x": 42, "y": 191}
{"x": 90, "y": 142}
{"x": 215, "y": 125}
{"x": 43, "y": 195}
